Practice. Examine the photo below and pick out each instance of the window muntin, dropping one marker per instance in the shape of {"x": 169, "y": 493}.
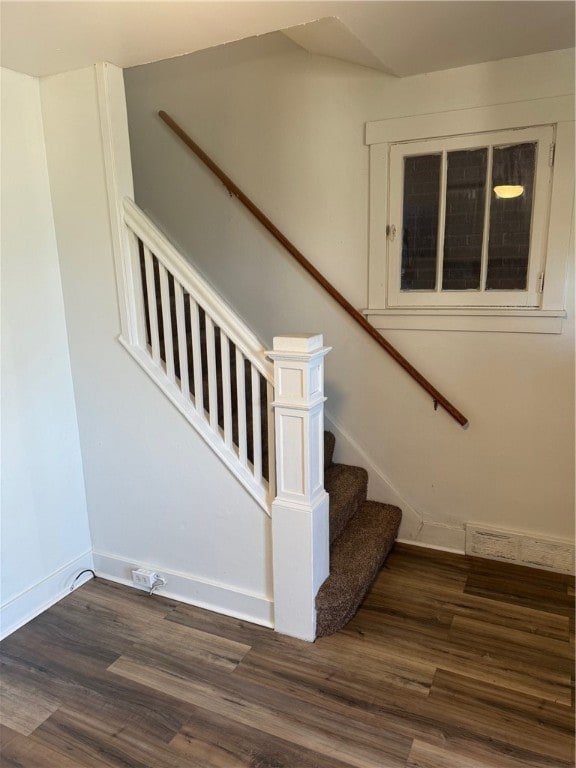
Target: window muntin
{"x": 483, "y": 250}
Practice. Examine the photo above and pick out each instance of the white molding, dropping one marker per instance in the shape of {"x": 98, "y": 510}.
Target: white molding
{"x": 519, "y": 114}
{"x": 191, "y": 589}
{"x": 494, "y": 321}
{"x": 24, "y": 607}
{"x": 561, "y": 222}
{"x": 214, "y": 439}
{"x": 435, "y": 547}
{"x": 439, "y": 535}
{"x": 119, "y": 183}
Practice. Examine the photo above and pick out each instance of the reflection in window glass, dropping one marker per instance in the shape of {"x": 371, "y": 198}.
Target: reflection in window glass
{"x": 510, "y": 217}
{"x": 465, "y": 202}
{"x": 420, "y": 222}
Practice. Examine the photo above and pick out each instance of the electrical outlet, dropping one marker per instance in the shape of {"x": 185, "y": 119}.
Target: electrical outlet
{"x": 144, "y": 578}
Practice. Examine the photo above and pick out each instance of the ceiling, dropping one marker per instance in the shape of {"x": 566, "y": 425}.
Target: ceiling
{"x": 403, "y": 38}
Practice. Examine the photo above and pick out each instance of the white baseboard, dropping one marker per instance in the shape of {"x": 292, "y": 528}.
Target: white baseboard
{"x": 22, "y": 608}
{"x": 446, "y": 538}
{"x": 425, "y": 545}
{"x": 187, "y": 588}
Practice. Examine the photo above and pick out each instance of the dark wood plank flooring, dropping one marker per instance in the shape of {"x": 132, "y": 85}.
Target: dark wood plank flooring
{"x": 452, "y": 662}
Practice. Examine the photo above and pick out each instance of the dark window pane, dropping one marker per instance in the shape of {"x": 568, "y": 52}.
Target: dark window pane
{"x": 464, "y": 223}
{"x": 510, "y": 218}
{"x": 420, "y": 222}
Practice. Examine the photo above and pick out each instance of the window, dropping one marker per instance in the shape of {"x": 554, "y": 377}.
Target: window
{"x": 470, "y": 217}
{"x": 467, "y": 219}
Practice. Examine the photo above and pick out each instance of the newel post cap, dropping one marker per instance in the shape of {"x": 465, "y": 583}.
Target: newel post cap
{"x": 298, "y": 342}
{"x": 299, "y": 346}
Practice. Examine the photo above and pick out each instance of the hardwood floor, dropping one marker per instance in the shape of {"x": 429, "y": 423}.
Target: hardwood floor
{"x": 450, "y": 663}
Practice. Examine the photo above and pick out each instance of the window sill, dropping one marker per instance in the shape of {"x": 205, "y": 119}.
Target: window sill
{"x": 469, "y": 320}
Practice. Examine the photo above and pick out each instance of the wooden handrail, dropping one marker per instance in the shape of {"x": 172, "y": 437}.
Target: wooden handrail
{"x": 437, "y": 397}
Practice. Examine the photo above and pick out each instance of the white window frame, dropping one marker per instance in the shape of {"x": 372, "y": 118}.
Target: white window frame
{"x": 384, "y": 310}
{"x": 544, "y": 138}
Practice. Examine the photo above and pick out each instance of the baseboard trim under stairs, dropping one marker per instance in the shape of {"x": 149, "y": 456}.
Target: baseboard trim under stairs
{"x": 190, "y": 589}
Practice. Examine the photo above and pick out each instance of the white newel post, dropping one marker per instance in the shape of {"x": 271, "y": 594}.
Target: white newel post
{"x": 300, "y": 510}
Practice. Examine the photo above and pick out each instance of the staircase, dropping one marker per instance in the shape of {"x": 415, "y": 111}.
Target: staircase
{"x": 218, "y": 374}
{"x": 362, "y": 534}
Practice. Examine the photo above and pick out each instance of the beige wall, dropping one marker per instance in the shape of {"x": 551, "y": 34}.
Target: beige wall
{"x": 44, "y": 525}
{"x": 289, "y": 128}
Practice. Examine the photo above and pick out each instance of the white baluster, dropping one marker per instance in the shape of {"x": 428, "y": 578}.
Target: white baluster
{"x": 256, "y": 424}
{"x": 167, "y": 322}
{"x": 135, "y": 307}
{"x": 196, "y": 357}
{"x": 152, "y": 306}
{"x": 226, "y": 388}
{"x": 212, "y": 377}
{"x": 182, "y": 349}
{"x": 241, "y": 407}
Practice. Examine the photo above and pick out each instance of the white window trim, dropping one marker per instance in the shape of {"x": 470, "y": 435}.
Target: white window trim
{"x": 545, "y": 319}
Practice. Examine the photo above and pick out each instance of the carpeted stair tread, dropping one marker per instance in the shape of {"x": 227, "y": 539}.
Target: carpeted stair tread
{"x": 347, "y": 487}
{"x": 329, "y": 443}
{"x": 355, "y": 559}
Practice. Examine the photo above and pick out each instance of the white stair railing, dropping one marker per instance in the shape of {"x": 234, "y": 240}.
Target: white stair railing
{"x": 201, "y": 355}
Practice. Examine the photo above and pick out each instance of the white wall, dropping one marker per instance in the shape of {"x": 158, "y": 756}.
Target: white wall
{"x": 45, "y": 538}
{"x": 289, "y": 129}
{"x": 157, "y": 495}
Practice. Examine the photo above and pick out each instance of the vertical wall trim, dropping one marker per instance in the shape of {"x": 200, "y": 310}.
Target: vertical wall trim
{"x": 119, "y": 184}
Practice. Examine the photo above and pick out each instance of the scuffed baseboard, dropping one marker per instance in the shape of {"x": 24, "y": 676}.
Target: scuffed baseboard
{"x": 437, "y": 536}
{"x": 22, "y": 608}
{"x": 187, "y": 588}
{"x": 520, "y": 548}
{"x": 515, "y": 547}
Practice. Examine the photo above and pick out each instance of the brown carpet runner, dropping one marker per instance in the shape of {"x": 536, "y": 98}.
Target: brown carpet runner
{"x": 362, "y": 534}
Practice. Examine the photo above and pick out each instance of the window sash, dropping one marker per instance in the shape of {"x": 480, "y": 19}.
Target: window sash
{"x": 543, "y": 136}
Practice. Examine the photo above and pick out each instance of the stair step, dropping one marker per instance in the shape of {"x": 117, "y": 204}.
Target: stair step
{"x": 347, "y": 487}
{"x": 355, "y": 559}
{"x": 329, "y": 443}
